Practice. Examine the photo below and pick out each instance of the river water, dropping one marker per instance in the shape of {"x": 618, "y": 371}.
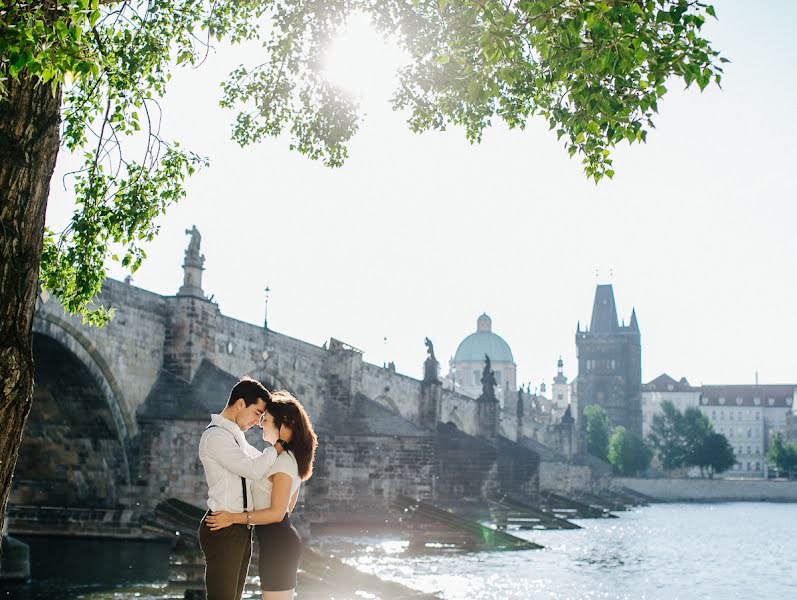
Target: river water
{"x": 666, "y": 551}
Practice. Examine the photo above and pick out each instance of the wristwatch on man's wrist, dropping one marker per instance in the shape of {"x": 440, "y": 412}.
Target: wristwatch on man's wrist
{"x": 282, "y": 443}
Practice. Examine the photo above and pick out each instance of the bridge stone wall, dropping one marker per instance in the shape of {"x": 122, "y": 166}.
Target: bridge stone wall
{"x": 163, "y": 364}
{"x": 356, "y": 477}
{"x": 168, "y": 465}
{"x": 127, "y": 352}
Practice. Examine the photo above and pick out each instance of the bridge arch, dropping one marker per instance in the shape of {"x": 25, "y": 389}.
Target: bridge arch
{"x": 78, "y": 344}
{"x": 456, "y": 418}
{"x": 76, "y": 448}
{"x": 388, "y": 402}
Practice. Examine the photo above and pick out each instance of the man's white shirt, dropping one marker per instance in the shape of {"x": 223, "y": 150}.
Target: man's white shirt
{"x": 226, "y": 457}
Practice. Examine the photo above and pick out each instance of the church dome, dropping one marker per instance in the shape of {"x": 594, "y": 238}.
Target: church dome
{"x": 484, "y": 341}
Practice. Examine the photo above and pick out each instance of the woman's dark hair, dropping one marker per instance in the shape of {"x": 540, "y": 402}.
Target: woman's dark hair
{"x": 250, "y": 390}
{"x": 287, "y": 410}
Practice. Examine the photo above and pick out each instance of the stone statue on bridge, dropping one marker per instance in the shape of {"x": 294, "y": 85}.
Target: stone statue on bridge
{"x": 193, "y": 246}
{"x": 488, "y": 381}
{"x": 488, "y": 405}
{"x": 429, "y": 348}
{"x": 519, "y": 408}
{"x": 431, "y": 367}
{"x": 193, "y": 265}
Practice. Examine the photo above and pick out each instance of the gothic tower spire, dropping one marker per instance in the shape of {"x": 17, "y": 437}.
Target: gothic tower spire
{"x": 634, "y": 325}
{"x": 604, "y": 311}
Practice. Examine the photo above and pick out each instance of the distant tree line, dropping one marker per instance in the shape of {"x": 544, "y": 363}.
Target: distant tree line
{"x": 679, "y": 439}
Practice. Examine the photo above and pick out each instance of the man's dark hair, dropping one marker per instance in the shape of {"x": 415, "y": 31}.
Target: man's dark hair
{"x": 250, "y": 390}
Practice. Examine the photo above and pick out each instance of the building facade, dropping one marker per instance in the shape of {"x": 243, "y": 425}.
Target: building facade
{"x": 749, "y": 415}
{"x": 666, "y": 389}
{"x": 610, "y": 364}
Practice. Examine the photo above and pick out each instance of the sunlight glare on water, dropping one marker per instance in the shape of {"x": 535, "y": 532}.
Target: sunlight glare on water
{"x": 662, "y": 552}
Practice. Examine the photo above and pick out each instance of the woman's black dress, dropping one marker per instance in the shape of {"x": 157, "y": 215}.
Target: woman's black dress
{"x": 280, "y": 551}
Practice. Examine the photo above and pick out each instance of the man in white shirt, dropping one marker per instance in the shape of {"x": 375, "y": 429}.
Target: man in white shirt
{"x": 229, "y": 460}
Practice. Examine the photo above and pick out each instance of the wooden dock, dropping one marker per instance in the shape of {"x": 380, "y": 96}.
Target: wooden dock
{"x": 637, "y": 498}
{"x": 569, "y": 508}
{"x": 433, "y": 527}
{"x": 607, "y": 502}
{"x": 513, "y": 512}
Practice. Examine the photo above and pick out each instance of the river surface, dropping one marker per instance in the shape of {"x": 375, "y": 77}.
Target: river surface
{"x": 666, "y": 551}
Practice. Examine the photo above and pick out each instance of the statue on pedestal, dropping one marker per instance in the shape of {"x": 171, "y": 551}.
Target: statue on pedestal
{"x": 429, "y": 348}
{"x": 488, "y": 381}
{"x": 193, "y": 265}
{"x": 193, "y": 246}
{"x": 430, "y": 365}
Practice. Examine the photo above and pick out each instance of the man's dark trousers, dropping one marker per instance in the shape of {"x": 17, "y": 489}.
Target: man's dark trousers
{"x": 227, "y": 553}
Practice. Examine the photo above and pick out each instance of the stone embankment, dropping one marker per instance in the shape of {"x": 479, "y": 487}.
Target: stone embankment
{"x": 711, "y": 490}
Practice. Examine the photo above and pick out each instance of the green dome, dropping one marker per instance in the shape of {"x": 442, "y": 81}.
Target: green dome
{"x": 476, "y": 345}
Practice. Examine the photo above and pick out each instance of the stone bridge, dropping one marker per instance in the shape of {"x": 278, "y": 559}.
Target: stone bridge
{"x": 118, "y": 412}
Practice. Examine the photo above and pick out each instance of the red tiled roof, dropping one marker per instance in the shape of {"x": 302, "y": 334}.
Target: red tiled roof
{"x": 665, "y": 383}
{"x": 766, "y": 396}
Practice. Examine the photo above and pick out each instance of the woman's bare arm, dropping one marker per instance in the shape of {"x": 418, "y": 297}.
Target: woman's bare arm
{"x": 280, "y": 497}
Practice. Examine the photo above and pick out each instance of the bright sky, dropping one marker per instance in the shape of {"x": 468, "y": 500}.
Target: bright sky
{"x": 419, "y": 234}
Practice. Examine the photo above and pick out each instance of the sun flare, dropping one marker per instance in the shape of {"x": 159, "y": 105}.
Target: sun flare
{"x": 362, "y": 62}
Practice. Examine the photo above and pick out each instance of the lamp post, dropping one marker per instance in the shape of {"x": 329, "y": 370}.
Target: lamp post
{"x": 265, "y": 318}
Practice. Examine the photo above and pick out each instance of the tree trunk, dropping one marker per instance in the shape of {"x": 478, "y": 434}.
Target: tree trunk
{"x": 29, "y": 139}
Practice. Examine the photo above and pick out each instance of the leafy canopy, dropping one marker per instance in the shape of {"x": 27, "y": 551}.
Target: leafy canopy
{"x": 687, "y": 439}
{"x": 783, "y": 455}
{"x": 665, "y": 437}
{"x": 629, "y": 454}
{"x": 594, "y": 70}
{"x": 715, "y": 454}
{"x": 597, "y": 424}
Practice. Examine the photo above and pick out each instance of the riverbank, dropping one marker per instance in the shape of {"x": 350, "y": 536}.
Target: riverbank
{"x": 711, "y": 490}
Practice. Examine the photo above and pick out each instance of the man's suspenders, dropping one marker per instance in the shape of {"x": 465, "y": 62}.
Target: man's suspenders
{"x": 243, "y": 480}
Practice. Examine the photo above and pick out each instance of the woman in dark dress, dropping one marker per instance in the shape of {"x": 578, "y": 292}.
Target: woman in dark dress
{"x": 275, "y": 496}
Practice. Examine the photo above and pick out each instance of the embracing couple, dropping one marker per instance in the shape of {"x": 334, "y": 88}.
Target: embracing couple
{"x": 251, "y": 489}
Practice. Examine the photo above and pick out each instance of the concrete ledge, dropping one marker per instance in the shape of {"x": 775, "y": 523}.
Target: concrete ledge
{"x": 118, "y": 523}
{"x": 711, "y": 490}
